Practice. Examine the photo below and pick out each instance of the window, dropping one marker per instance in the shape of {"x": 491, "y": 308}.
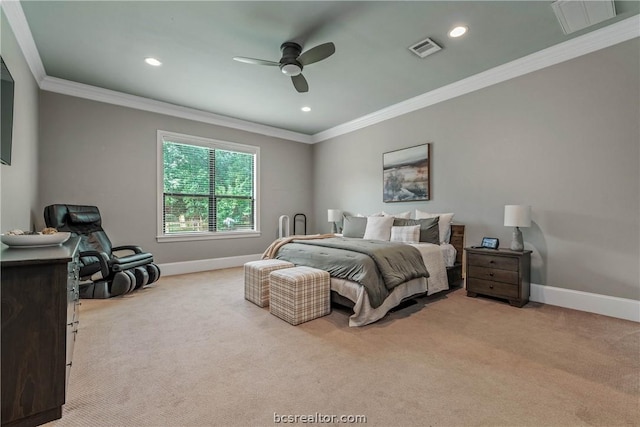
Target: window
{"x": 206, "y": 188}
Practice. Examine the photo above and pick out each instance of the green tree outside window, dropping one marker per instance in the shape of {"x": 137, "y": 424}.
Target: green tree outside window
{"x": 207, "y": 189}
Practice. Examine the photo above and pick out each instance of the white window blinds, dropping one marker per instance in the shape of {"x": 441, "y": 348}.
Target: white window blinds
{"x": 207, "y": 186}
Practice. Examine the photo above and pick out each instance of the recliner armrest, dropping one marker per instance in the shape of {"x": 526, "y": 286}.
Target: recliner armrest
{"x": 130, "y": 261}
{"x": 135, "y": 249}
{"x": 103, "y": 258}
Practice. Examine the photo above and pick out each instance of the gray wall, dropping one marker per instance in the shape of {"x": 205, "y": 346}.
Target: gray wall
{"x": 101, "y": 154}
{"x": 18, "y": 182}
{"x": 564, "y": 139}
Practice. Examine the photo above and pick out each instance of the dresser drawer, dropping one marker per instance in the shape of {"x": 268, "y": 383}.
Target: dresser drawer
{"x": 488, "y": 287}
{"x": 72, "y": 307}
{"x": 493, "y": 261}
{"x": 71, "y": 342}
{"x": 493, "y": 274}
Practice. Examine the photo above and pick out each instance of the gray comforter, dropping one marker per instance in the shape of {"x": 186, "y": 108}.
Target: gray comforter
{"x": 378, "y": 266}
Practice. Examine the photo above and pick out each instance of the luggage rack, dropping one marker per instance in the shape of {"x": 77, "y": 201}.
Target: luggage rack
{"x": 284, "y": 229}
{"x": 296, "y": 220}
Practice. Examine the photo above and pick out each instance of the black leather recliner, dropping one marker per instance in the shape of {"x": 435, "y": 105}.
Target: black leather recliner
{"x": 105, "y": 271}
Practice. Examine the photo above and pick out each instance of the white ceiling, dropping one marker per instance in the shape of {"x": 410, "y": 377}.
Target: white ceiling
{"x": 103, "y": 44}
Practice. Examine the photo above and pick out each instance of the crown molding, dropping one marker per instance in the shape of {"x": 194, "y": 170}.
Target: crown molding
{"x": 15, "y": 16}
{"x": 80, "y": 90}
{"x": 582, "y": 45}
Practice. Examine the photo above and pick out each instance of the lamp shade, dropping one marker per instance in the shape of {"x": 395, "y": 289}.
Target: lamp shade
{"x": 517, "y": 216}
{"x": 334, "y": 215}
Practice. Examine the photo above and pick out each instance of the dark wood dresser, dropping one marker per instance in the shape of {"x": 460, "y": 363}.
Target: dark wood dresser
{"x": 39, "y": 323}
{"x": 499, "y": 273}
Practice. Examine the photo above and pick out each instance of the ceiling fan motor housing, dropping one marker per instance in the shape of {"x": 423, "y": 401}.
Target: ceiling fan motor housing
{"x": 289, "y": 64}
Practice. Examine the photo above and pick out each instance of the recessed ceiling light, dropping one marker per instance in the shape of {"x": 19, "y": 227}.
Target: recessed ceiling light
{"x": 153, "y": 61}
{"x": 458, "y": 31}
{"x": 306, "y": 109}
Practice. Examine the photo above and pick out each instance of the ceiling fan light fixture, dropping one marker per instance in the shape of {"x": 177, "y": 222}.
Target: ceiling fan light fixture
{"x": 153, "y": 61}
{"x": 458, "y": 31}
{"x": 290, "y": 69}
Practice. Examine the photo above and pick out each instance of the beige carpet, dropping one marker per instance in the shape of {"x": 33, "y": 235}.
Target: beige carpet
{"x": 190, "y": 351}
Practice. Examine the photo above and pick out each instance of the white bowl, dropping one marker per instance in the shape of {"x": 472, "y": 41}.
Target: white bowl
{"x": 34, "y": 240}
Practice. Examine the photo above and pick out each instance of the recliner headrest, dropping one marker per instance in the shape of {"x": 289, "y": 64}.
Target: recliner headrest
{"x": 84, "y": 217}
{"x": 61, "y": 216}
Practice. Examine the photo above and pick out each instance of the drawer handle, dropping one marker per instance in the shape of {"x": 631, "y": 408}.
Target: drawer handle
{"x": 491, "y": 261}
{"x": 491, "y": 274}
{"x": 490, "y": 286}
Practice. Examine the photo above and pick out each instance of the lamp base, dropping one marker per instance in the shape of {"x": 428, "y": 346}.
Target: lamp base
{"x": 334, "y": 228}
{"x": 517, "y": 244}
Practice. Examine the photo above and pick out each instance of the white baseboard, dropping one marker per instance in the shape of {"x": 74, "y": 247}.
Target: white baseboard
{"x": 621, "y": 308}
{"x": 185, "y": 267}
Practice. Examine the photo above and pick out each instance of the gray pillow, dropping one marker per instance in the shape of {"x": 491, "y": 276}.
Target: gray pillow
{"x": 429, "y": 230}
{"x": 354, "y": 226}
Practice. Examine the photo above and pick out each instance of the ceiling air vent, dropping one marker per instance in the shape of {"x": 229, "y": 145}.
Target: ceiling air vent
{"x": 575, "y": 15}
{"x": 425, "y": 48}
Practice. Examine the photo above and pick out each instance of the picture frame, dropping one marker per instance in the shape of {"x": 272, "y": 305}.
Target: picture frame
{"x": 406, "y": 174}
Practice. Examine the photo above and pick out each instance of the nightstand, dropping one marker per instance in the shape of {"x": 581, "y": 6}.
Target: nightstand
{"x": 499, "y": 273}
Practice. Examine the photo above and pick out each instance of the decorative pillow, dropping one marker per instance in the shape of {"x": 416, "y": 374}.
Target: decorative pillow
{"x": 408, "y": 234}
{"x": 378, "y": 228}
{"x": 354, "y": 226}
{"x": 405, "y": 215}
{"x": 444, "y": 223}
{"x": 429, "y": 229}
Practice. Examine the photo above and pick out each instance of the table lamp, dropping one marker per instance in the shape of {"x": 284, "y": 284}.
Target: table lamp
{"x": 517, "y": 216}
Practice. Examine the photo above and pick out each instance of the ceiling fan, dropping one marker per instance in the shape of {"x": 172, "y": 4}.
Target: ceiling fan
{"x": 292, "y": 61}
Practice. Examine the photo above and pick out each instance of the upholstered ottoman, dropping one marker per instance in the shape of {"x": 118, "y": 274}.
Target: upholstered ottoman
{"x": 299, "y": 294}
{"x": 256, "y": 279}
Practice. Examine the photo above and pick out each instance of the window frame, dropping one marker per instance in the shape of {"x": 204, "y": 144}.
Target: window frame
{"x": 211, "y": 144}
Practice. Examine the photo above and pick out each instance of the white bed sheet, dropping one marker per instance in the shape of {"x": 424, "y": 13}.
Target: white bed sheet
{"x": 433, "y": 257}
{"x": 449, "y": 253}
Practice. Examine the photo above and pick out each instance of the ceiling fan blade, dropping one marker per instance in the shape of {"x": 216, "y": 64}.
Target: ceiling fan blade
{"x": 317, "y": 53}
{"x": 300, "y": 83}
{"x": 255, "y": 61}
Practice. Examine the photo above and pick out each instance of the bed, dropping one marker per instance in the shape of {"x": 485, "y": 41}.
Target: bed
{"x": 442, "y": 263}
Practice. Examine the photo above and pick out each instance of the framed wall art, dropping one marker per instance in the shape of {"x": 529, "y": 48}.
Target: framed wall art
{"x": 406, "y": 174}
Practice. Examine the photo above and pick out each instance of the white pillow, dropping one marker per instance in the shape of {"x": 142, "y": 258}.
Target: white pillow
{"x": 378, "y": 228}
{"x": 444, "y": 223}
{"x": 405, "y": 215}
{"x": 407, "y": 233}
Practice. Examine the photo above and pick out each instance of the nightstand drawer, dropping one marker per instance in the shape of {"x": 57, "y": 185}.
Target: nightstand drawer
{"x": 493, "y": 261}
{"x": 488, "y": 287}
{"x": 506, "y": 276}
